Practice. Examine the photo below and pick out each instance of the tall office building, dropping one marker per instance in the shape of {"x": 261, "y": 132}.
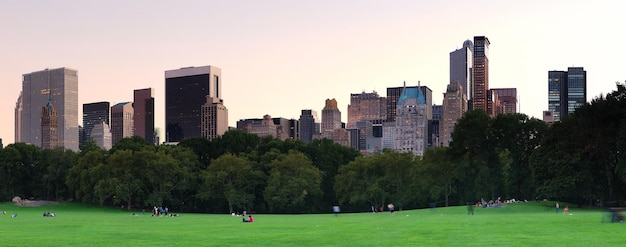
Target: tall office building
{"x": 214, "y": 120}
{"x": 567, "y": 90}
{"x": 434, "y": 126}
{"x": 294, "y": 129}
{"x": 18, "y": 119}
{"x": 410, "y": 133}
{"x": 393, "y": 94}
{"x": 331, "y": 116}
{"x": 143, "y": 120}
{"x": 454, "y": 106}
{"x": 121, "y": 121}
{"x": 49, "y": 126}
{"x": 576, "y": 88}
{"x": 94, "y": 113}
{"x": 461, "y": 66}
{"x": 366, "y": 106}
{"x": 504, "y": 100}
{"x": 185, "y": 93}
{"x": 480, "y": 73}
{"x": 307, "y": 125}
{"x": 62, "y": 85}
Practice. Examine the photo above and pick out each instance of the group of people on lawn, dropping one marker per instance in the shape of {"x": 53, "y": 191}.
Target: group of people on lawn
{"x": 244, "y": 219}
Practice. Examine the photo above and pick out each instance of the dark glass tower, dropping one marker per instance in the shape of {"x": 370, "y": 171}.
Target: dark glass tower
{"x": 567, "y": 90}
{"x": 480, "y": 73}
{"x": 307, "y": 126}
{"x": 93, "y": 114}
{"x": 143, "y": 121}
{"x": 185, "y": 93}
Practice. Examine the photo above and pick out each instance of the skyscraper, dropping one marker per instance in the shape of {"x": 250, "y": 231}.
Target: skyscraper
{"x": 454, "y": 106}
{"x": 49, "y": 126}
{"x": 576, "y": 88}
{"x": 331, "y": 116}
{"x": 94, "y": 113}
{"x": 121, "y": 121}
{"x": 214, "y": 120}
{"x": 366, "y": 106}
{"x": 18, "y": 119}
{"x": 307, "y": 125}
{"x": 143, "y": 120}
{"x": 62, "y": 85}
{"x": 185, "y": 93}
{"x": 461, "y": 66}
{"x": 567, "y": 90}
{"x": 480, "y": 73}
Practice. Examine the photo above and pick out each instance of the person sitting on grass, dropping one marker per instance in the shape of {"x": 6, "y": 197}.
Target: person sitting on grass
{"x": 249, "y": 219}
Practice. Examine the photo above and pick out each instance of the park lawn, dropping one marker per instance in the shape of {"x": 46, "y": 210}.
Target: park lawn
{"x": 522, "y": 224}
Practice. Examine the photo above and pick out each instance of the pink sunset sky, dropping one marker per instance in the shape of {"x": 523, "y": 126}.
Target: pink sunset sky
{"x": 279, "y": 57}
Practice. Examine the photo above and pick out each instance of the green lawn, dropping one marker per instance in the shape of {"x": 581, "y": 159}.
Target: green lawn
{"x": 524, "y": 224}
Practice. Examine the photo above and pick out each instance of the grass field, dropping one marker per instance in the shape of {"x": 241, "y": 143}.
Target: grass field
{"x": 524, "y": 224}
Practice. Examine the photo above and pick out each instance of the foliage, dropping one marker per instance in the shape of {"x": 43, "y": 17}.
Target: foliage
{"x": 233, "y": 179}
{"x": 582, "y": 158}
{"x": 293, "y": 183}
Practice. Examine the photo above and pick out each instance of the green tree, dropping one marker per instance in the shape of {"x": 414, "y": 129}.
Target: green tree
{"x": 83, "y": 177}
{"x": 441, "y": 174}
{"x": 233, "y": 179}
{"x": 516, "y": 136}
{"x": 361, "y": 182}
{"x": 11, "y": 172}
{"x": 293, "y": 184}
{"x": 473, "y": 144}
{"x": 56, "y": 164}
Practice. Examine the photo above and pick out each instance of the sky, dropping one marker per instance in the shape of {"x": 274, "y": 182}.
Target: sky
{"x": 279, "y": 57}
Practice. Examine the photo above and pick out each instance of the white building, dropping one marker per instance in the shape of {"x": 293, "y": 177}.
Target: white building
{"x": 101, "y": 135}
{"x": 411, "y": 131}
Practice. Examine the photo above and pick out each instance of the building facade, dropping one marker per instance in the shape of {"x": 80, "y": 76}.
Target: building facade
{"x": 434, "y": 126}
{"x": 366, "y": 106}
{"x": 393, "y": 95}
{"x": 454, "y": 106}
{"x": 331, "y": 117}
{"x": 214, "y": 120}
{"x": 480, "y": 73}
{"x": 504, "y": 100}
{"x": 122, "y": 121}
{"x": 49, "y": 126}
{"x": 101, "y": 135}
{"x": 307, "y": 125}
{"x": 411, "y": 123}
{"x": 62, "y": 85}
{"x": 94, "y": 113}
{"x": 461, "y": 66}
{"x": 143, "y": 114}
{"x": 567, "y": 90}
{"x": 186, "y": 90}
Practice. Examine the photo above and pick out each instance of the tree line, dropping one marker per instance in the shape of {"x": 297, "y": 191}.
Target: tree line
{"x": 580, "y": 159}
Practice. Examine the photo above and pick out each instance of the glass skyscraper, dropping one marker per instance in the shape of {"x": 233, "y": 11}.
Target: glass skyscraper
{"x": 94, "y": 114}
{"x": 61, "y": 86}
{"x": 567, "y": 90}
{"x": 480, "y": 74}
{"x": 185, "y": 93}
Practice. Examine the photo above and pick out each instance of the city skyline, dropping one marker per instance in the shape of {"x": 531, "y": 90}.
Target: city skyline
{"x": 281, "y": 57}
